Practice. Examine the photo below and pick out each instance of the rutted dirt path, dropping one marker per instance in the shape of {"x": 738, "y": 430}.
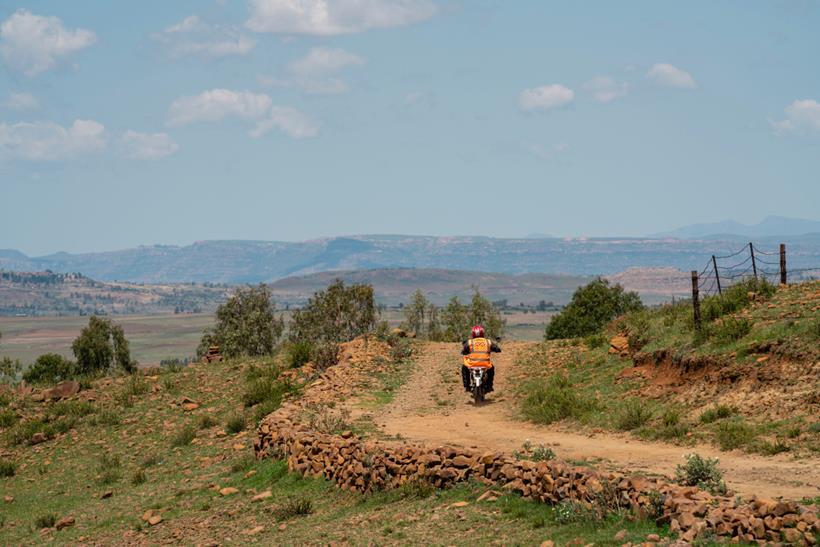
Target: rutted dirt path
{"x": 432, "y": 407}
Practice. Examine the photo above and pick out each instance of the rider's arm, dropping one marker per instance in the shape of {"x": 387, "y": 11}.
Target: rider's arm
{"x": 495, "y": 348}
{"x": 465, "y": 349}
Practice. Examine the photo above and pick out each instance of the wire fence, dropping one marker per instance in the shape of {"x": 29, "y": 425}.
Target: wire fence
{"x": 750, "y": 261}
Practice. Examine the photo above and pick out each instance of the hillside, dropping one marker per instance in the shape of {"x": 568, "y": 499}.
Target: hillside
{"x": 47, "y": 293}
{"x": 258, "y": 261}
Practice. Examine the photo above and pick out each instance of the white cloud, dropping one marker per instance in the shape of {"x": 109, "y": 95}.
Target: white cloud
{"x": 604, "y": 89}
{"x": 48, "y": 141}
{"x": 32, "y": 43}
{"x": 545, "y": 97}
{"x": 671, "y": 76}
{"x": 802, "y": 116}
{"x": 193, "y": 36}
{"x": 217, "y": 104}
{"x": 147, "y": 146}
{"x": 332, "y": 17}
{"x": 317, "y": 72}
{"x": 288, "y": 120}
{"x": 20, "y": 101}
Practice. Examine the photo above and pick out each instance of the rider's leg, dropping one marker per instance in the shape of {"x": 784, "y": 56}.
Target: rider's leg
{"x": 490, "y": 377}
{"x": 465, "y": 377}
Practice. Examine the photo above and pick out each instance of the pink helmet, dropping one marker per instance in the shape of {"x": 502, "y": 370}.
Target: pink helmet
{"x": 478, "y": 331}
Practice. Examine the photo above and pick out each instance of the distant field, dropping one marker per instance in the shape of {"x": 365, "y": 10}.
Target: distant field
{"x": 156, "y": 337}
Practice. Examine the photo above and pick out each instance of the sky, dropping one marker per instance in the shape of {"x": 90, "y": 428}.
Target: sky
{"x": 156, "y": 122}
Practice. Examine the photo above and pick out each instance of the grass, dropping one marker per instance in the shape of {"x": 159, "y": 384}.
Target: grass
{"x": 634, "y": 414}
{"x": 7, "y": 469}
{"x": 555, "y": 399}
{"x": 235, "y": 424}
{"x": 8, "y": 418}
{"x": 139, "y": 477}
{"x": 47, "y": 520}
{"x": 294, "y": 507}
{"x": 735, "y": 433}
{"x": 184, "y": 436}
{"x": 206, "y": 421}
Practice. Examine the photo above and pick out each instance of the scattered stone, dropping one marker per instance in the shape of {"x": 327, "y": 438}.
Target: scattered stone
{"x": 262, "y": 496}
{"x": 64, "y": 389}
{"x": 228, "y": 491}
{"x": 653, "y": 538}
{"x": 620, "y": 536}
{"x": 154, "y": 520}
{"x": 8, "y": 499}
{"x": 548, "y": 543}
{"x": 38, "y": 438}
{"x": 283, "y": 527}
{"x": 189, "y": 406}
{"x": 64, "y": 522}
{"x": 458, "y": 504}
{"x": 107, "y": 494}
{"x": 255, "y": 530}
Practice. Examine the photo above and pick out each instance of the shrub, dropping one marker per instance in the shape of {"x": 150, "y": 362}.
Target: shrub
{"x": 592, "y": 306}
{"x": 718, "y": 412}
{"x": 596, "y": 341}
{"x": 74, "y": 409}
{"x": 400, "y": 350}
{"x": 138, "y": 477}
{"x": 9, "y": 370}
{"x": 701, "y": 472}
{"x": 106, "y": 417}
{"x": 108, "y": 467}
{"x": 243, "y": 463}
{"x": 8, "y": 417}
{"x": 184, "y": 436}
{"x": 294, "y": 507}
{"x": 323, "y": 419}
{"x": 45, "y": 521}
{"x": 815, "y": 427}
{"x": 206, "y": 421}
{"x": 246, "y": 325}
{"x": 634, "y": 414}
{"x": 554, "y": 400}
{"x": 150, "y": 460}
{"x": 731, "y": 329}
{"x": 298, "y": 353}
{"x": 25, "y": 430}
{"x": 50, "y": 368}
{"x": 772, "y": 448}
{"x": 7, "y": 469}
{"x": 235, "y": 424}
{"x": 415, "y": 489}
{"x": 537, "y": 454}
{"x": 733, "y": 434}
{"x": 734, "y": 298}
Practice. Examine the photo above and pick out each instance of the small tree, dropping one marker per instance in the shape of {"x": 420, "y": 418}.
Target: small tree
{"x": 433, "y": 323}
{"x": 50, "y": 368}
{"x": 592, "y": 306}
{"x": 246, "y": 325}
{"x": 100, "y": 346}
{"x": 483, "y": 312}
{"x": 337, "y": 314}
{"x": 455, "y": 321}
{"x": 414, "y": 313}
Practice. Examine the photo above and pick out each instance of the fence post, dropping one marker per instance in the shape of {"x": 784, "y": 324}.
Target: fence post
{"x": 782, "y": 263}
{"x": 754, "y": 266}
{"x": 717, "y": 274}
{"x": 695, "y": 300}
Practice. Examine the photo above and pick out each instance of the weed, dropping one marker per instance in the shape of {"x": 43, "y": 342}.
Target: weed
{"x": 731, "y": 329}
{"x": 184, "y": 436}
{"x": 718, "y": 412}
{"x": 415, "y": 489}
{"x": 734, "y": 434}
{"x": 206, "y": 421}
{"x": 8, "y": 417}
{"x": 298, "y": 354}
{"x": 734, "y": 298}
{"x": 170, "y": 385}
{"x": 47, "y": 520}
{"x": 701, "y": 472}
{"x": 815, "y": 427}
{"x": 106, "y": 417}
{"x": 596, "y": 341}
{"x": 76, "y": 409}
{"x": 7, "y": 468}
{"x": 294, "y": 507}
{"x": 537, "y": 454}
{"x": 793, "y": 432}
{"x": 24, "y": 431}
{"x": 150, "y": 460}
{"x": 554, "y": 400}
{"x": 634, "y": 414}
{"x": 772, "y": 448}
{"x": 235, "y": 424}
{"x": 138, "y": 477}
{"x": 108, "y": 467}
{"x": 323, "y": 419}
{"x": 243, "y": 464}
{"x": 265, "y": 389}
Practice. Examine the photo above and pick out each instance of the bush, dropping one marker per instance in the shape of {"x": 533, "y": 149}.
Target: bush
{"x": 701, "y": 472}
{"x": 294, "y": 507}
{"x": 184, "y": 436}
{"x": 25, "y": 430}
{"x": 9, "y": 370}
{"x": 592, "y": 306}
{"x": 7, "y": 469}
{"x": 731, "y": 329}
{"x": 323, "y": 419}
{"x": 50, "y": 368}
{"x": 242, "y": 463}
{"x": 734, "y": 298}
{"x": 298, "y": 353}
{"x": 554, "y": 400}
{"x": 733, "y": 434}
{"x": 206, "y": 421}
{"x": 718, "y": 412}
{"x": 106, "y": 417}
{"x": 8, "y": 417}
{"x": 772, "y": 448}
{"x": 246, "y": 325}
{"x": 108, "y": 467}
{"x": 101, "y": 346}
{"x": 138, "y": 477}
{"x": 596, "y": 341}
{"x": 634, "y": 414}
{"x": 235, "y": 424}
{"x": 45, "y": 521}
{"x": 456, "y": 319}
{"x": 265, "y": 389}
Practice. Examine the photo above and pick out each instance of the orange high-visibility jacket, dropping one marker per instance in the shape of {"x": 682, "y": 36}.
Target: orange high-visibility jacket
{"x": 479, "y": 353}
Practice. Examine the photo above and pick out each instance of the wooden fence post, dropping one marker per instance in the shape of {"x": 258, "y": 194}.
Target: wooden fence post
{"x": 717, "y": 274}
{"x": 754, "y": 266}
{"x": 782, "y": 263}
{"x": 695, "y": 299}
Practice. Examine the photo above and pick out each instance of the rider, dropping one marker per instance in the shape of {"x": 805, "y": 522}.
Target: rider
{"x": 476, "y": 351}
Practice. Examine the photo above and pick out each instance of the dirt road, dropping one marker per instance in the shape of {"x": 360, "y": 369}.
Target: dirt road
{"x": 432, "y": 407}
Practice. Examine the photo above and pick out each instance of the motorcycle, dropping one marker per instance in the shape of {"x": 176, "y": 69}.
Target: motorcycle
{"x": 477, "y": 385}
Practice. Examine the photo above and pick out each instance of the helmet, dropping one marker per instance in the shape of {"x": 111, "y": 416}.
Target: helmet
{"x": 478, "y": 331}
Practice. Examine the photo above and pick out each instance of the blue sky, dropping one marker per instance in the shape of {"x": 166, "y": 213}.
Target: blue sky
{"x": 125, "y": 123}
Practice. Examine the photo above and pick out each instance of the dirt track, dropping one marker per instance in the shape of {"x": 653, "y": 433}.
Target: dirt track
{"x": 432, "y": 407}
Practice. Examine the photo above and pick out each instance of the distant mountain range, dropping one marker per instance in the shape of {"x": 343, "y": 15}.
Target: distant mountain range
{"x": 256, "y": 261}
{"x": 769, "y": 227}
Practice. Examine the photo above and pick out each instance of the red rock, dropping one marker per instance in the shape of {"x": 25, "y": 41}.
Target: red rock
{"x": 64, "y": 522}
{"x": 62, "y": 390}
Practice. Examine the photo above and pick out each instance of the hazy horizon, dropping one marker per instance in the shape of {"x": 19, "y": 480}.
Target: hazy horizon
{"x": 258, "y": 120}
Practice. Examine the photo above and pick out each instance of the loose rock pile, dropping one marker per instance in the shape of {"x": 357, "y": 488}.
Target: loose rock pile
{"x": 364, "y": 466}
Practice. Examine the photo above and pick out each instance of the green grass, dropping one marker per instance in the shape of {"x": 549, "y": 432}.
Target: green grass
{"x": 7, "y": 469}
{"x": 717, "y": 412}
{"x": 556, "y": 399}
{"x": 184, "y": 436}
{"x": 734, "y": 433}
